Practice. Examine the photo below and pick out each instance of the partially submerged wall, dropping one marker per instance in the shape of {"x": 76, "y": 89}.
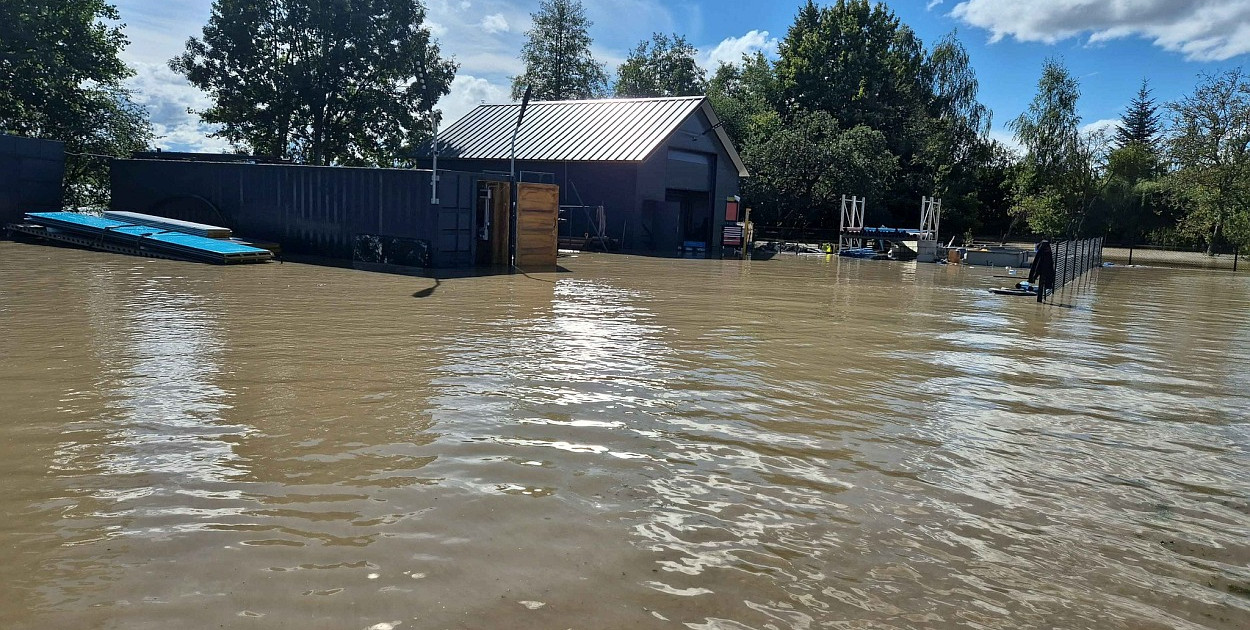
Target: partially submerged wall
{"x": 363, "y": 214}
{"x": 31, "y": 176}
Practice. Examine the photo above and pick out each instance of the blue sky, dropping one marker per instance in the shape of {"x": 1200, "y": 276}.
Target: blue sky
{"x": 1109, "y": 45}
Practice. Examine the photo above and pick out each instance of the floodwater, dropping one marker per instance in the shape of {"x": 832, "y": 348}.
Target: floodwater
{"x": 634, "y": 443}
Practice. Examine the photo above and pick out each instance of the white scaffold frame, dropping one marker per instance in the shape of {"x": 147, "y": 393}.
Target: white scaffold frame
{"x": 930, "y": 218}
{"x": 851, "y": 225}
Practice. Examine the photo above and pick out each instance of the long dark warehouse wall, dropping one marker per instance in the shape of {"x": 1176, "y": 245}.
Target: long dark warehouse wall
{"x": 345, "y": 213}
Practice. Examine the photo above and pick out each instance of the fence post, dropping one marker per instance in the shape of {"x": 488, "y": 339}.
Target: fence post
{"x": 1069, "y": 259}
{"x": 1236, "y": 254}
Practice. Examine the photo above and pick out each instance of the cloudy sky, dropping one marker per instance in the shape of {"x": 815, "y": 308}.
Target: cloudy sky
{"x": 1109, "y": 45}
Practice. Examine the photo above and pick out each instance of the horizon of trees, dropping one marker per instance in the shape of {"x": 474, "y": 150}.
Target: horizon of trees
{"x": 852, "y": 103}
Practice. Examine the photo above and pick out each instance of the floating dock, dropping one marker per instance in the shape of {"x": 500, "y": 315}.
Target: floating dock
{"x": 126, "y": 237}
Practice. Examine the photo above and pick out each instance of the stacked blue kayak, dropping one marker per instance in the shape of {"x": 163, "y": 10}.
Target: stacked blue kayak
{"x": 860, "y": 252}
{"x": 889, "y": 232}
{"x": 156, "y": 237}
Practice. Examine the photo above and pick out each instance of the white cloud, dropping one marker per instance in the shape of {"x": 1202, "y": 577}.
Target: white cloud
{"x": 436, "y": 29}
{"x": 731, "y": 49}
{"x": 167, "y": 97}
{"x": 485, "y": 41}
{"x": 495, "y": 23}
{"x": 468, "y": 92}
{"x": 931, "y": 4}
{"x": 610, "y": 58}
{"x": 1202, "y": 30}
{"x": 1108, "y": 125}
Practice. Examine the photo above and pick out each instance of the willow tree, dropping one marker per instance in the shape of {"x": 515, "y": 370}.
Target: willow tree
{"x": 954, "y": 144}
{"x": 61, "y": 78}
{"x": 319, "y": 81}
{"x": 1055, "y": 182}
{"x": 663, "y": 66}
{"x": 558, "y": 62}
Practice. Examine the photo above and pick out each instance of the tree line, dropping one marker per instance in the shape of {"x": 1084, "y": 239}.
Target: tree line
{"x": 853, "y": 102}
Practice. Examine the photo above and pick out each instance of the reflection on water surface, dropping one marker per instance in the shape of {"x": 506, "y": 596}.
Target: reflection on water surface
{"x": 794, "y": 443}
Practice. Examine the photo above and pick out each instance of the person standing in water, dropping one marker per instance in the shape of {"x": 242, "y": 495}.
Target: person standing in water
{"x": 1042, "y": 271}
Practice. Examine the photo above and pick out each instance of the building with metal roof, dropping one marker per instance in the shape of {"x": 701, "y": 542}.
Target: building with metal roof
{"x": 647, "y": 175}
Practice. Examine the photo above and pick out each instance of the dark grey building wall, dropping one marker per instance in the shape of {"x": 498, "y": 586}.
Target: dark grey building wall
{"x": 610, "y": 184}
{"x": 345, "y": 213}
{"x": 32, "y": 173}
{"x": 634, "y": 193}
{"x": 695, "y": 136}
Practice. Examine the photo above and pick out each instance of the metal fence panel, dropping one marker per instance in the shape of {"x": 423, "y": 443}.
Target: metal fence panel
{"x": 1223, "y": 258}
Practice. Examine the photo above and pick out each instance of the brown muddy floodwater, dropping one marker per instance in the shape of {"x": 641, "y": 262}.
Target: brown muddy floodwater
{"x": 635, "y": 443}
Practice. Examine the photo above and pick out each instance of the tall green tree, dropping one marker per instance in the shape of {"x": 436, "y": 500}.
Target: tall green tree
{"x": 1210, "y": 146}
{"x": 954, "y": 142}
{"x": 859, "y": 65}
{"x": 801, "y": 167}
{"x": 1132, "y": 193}
{"x": 1142, "y": 122}
{"x": 1054, "y": 185}
{"x": 962, "y": 120}
{"x": 61, "y": 78}
{"x": 745, "y": 95}
{"x": 663, "y": 66}
{"x": 858, "y": 62}
{"x": 558, "y": 62}
{"x": 1132, "y": 190}
{"x": 349, "y": 82}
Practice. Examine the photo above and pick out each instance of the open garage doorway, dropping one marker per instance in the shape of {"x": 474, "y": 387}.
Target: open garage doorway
{"x": 695, "y": 220}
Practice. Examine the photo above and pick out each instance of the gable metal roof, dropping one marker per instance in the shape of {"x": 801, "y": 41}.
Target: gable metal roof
{"x": 607, "y": 130}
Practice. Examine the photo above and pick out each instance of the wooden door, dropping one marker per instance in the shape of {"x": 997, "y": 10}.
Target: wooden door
{"x": 493, "y": 250}
{"x": 538, "y": 216}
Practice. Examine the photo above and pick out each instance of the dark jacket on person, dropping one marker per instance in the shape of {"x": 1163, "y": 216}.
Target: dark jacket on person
{"x": 1043, "y": 267}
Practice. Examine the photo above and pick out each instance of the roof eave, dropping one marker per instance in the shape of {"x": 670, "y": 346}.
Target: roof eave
{"x": 712, "y": 118}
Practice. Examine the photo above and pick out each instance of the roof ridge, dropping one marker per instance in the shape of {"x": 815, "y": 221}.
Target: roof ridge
{"x": 583, "y": 101}
{"x": 600, "y": 130}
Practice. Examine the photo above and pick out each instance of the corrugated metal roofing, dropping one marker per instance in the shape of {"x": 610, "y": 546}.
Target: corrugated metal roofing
{"x": 608, "y": 130}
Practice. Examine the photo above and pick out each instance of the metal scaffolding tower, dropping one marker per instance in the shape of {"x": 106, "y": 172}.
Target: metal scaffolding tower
{"x": 851, "y": 225}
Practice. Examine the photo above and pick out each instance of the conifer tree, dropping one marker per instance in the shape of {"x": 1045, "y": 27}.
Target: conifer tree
{"x": 1141, "y": 123}
{"x": 558, "y": 62}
